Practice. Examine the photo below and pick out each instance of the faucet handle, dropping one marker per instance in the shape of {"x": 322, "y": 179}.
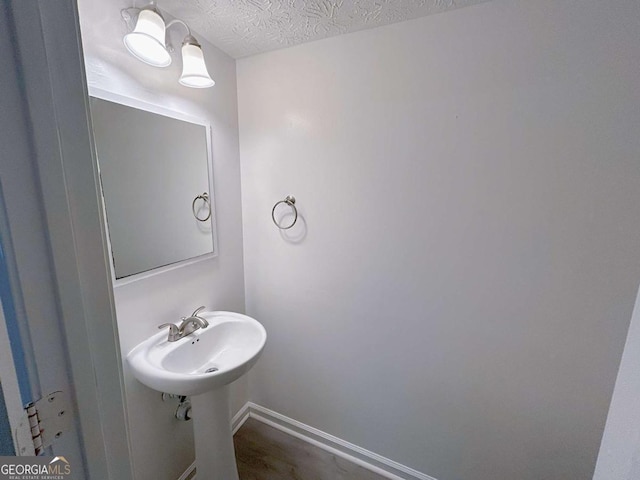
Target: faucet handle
{"x": 202, "y": 320}
{"x": 172, "y": 326}
{"x": 174, "y": 332}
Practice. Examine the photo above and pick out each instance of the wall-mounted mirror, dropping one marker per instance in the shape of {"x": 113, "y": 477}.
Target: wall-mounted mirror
{"x": 156, "y": 174}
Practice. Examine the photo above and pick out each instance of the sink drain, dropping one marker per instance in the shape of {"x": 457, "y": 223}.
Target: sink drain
{"x": 211, "y": 370}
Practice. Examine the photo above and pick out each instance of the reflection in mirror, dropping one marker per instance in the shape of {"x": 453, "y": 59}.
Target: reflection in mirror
{"x": 155, "y": 172}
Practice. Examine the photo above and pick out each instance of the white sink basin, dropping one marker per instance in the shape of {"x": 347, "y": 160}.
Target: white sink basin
{"x": 205, "y": 360}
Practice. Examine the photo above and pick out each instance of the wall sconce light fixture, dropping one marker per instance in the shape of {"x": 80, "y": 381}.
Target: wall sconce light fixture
{"x": 147, "y": 42}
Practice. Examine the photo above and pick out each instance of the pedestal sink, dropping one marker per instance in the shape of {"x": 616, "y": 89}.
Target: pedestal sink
{"x": 202, "y": 365}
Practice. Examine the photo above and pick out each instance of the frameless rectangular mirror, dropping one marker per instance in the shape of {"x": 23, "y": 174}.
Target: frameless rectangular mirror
{"x": 157, "y": 186}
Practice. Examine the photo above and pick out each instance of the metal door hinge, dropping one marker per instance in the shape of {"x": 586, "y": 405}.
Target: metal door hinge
{"x": 49, "y": 419}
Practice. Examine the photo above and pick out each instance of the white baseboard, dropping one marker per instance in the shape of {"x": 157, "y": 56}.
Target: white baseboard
{"x": 358, "y": 455}
{"x": 239, "y": 418}
{"x": 371, "y": 461}
{"x": 187, "y": 473}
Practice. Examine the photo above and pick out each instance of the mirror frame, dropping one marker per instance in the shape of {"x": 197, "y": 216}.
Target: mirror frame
{"x": 177, "y": 115}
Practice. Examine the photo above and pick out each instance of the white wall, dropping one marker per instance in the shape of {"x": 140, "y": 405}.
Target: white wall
{"x": 619, "y": 457}
{"x": 459, "y": 298}
{"x": 162, "y": 446}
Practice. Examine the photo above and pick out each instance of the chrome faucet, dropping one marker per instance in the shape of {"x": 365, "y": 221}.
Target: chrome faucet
{"x": 192, "y": 323}
{"x": 188, "y": 325}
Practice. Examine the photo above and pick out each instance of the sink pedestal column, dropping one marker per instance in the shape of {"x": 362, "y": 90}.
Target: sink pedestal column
{"x": 215, "y": 456}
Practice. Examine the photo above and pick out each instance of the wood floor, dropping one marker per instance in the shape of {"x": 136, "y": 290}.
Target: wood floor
{"x": 265, "y": 453}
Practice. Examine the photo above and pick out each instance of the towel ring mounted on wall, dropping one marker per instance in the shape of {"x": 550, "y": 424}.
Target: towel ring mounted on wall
{"x": 205, "y": 198}
{"x": 291, "y": 201}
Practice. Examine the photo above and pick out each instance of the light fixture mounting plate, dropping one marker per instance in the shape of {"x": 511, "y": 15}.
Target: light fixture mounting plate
{"x": 130, "y": 16}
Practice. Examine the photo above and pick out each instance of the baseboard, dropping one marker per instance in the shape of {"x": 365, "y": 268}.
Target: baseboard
{"x": 358, "y": 455}
{"x": 371, "y": 461}
{"x": 189, "y": 473}
{"x": 239, "y": 418}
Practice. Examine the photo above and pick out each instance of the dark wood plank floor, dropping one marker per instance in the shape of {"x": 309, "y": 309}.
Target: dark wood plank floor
{"x": 265, "y": 453}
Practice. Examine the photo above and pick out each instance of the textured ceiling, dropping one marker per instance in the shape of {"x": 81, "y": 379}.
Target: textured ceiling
{"x": 245, "y": 27}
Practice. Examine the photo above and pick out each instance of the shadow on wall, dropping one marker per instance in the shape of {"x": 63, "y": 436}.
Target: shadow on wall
{"x": 292, "y": 224}
{"x": 297, "y": 233}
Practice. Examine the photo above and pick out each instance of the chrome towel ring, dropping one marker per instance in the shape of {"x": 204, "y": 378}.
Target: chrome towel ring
{"x": 291, "y": 201}
{"x": 205, "y": 198}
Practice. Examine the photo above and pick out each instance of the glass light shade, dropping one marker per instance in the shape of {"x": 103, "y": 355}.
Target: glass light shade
{"x": 147, "y": 41}
{"x": 194, "y": 70}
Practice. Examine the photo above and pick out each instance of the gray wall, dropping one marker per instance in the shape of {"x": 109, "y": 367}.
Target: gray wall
{"x": 459, "y": 297}
{"x": 162, "y": 446}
